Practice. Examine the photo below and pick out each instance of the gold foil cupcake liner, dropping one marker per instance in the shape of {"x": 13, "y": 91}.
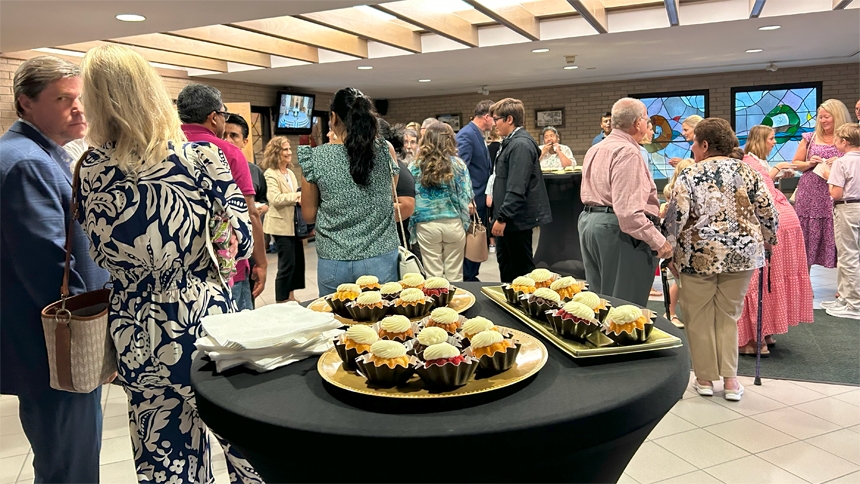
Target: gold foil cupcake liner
{"x": 444, "y": 299}
{"x": 338, "y": 306}
{"x": 414, "y": 311}
{"x": 449, "y": 375}
{"x": 536, "y": 310}
{"x": 371, "y": 314}
{"x": 383, "y": 376}
{"x": 415, "y": 327}
{"x": 571, "y": 328}
{"x": 636, "y": 336}
{"x": 499, "y": 361}
{"x": 347, "y": 355}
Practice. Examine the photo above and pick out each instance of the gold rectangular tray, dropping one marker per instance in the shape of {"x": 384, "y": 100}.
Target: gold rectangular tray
{"x": 659, "y": 340}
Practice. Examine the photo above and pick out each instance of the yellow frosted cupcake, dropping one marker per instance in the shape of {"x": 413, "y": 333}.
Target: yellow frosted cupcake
{"x": 521, "y": 285}
{"x": 627, "y": 324}
{"x": 412, "y": 280}
{"x": 368, "y": 283}
{"x": 345, "y": 293}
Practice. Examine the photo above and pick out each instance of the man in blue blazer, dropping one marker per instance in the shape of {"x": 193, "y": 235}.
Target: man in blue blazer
{"x": 64, "y": 429}
{"x": 472, "y": 149}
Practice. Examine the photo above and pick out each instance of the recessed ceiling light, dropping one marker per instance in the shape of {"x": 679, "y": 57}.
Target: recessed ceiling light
{"x": 754, "y": 51}
{"x": 540, "y": 51}
{"x": 567, "y": 68}
{"x": 770, "y": 27}
{"x": 365, "y": 68}
{"x": 423, "y": 80}
{"x": 130, "y": 17}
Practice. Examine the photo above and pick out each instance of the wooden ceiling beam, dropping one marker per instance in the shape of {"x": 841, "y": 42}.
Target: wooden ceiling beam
{"x": 244, "y": 39}
{"x": 29, "y": 54}
{"x": 363, "y": 24}
{"x": 425, "y": 14}
{"x": 181, "y": 45}
{"x": 593, "y": 12}
{"x": 309, "y": 33}
{"x": 514, "y": 17}
{"x": 159, "y": 56}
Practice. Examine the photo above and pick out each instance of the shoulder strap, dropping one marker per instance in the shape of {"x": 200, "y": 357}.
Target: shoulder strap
{"x": 402, "y": 236}
{"x": 76, "y": 183}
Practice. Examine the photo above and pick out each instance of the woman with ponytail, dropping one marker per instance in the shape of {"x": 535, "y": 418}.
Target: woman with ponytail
{"x": 346, "y": 191}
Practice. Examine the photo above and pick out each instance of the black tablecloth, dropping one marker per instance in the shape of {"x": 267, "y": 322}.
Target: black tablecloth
{"x": 575, "y": 421}
{"x": 558, "y": 246}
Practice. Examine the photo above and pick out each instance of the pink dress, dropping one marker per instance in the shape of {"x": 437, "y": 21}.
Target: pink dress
{"x": 814, "y": 208}
{"x": 790, "y": 299}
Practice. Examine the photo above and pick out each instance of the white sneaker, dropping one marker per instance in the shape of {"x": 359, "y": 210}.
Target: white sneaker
{"x": 492, "y": 249}
{"x": 837, "y": 303}
{"x": 846, "y": 311}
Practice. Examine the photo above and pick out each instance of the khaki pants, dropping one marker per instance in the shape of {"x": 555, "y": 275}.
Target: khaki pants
{"x": 442, "y": 243}
{"x": 712, "y": 305}
{"x": 846, "y": 225}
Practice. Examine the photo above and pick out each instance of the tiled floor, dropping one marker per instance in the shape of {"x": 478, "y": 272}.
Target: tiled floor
{"x": 781, "y": 432}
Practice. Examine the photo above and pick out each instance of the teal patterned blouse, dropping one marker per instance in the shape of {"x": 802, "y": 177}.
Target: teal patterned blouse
{"x": 353, "y": 222}
{"x": 447, "y": 201}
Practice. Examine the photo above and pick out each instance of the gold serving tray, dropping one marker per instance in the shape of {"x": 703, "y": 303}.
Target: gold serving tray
{"x": 531, "y": 358}
{"x": 659, "y": 340}
{"x": 461, "y": 301}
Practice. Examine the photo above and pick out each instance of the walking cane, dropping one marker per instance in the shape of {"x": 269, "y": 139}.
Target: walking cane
{"x": 664, "y": 275}
{"x": 758, "y": 339}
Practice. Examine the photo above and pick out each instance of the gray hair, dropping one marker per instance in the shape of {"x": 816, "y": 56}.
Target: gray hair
{"x": 427, "y": 122}
{"x": 197, "y": 101}
{"x": 626, "y": 111}
{"x": 410, "y": 132}
{"x": 550, "y": 128}
{"x": 34, "y": 75}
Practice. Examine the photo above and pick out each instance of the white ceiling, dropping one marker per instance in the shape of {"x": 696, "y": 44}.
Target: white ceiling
{"x": 712, "y": 38}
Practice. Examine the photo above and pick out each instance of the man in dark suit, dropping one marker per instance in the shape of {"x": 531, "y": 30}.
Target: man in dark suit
{"x": 519, "y": 193}
{"x": 64, "y": 429}
{"x": 472, "y": 149}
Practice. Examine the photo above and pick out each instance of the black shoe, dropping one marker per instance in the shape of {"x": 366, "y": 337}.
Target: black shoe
{"x": 472, "y": 279}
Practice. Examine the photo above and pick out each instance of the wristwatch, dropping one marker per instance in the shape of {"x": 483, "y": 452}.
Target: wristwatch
{"x": 501, "y": 219}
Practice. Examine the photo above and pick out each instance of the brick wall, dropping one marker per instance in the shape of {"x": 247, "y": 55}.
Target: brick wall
{"x": 584, "y": 103}
{"x": 256, "y": 94}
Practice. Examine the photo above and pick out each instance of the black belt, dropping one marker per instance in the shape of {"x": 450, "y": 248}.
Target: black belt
{"x": 605, "y": 209}
{"x": 840, "y": 202}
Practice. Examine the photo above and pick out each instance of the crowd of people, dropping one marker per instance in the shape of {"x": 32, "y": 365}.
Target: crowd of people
{"x": 159, "y": 174}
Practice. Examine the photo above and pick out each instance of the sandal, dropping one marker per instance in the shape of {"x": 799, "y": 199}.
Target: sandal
{"x": 674, "y": 320}
{"x": 655, "y": 293}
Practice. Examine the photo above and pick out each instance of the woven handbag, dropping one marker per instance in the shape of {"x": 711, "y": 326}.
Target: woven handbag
{"x": 81, "y": 353}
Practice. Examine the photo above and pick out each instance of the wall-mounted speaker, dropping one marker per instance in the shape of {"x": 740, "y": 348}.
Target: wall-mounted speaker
{"x": 381, "y": 106}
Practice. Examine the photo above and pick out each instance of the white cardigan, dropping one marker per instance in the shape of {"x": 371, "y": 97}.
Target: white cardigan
{"x": 280, "y": 219}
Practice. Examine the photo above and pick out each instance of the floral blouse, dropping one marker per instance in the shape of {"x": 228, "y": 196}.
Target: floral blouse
{"x": 447, "y": 201}
{"x": 720, "y": 215}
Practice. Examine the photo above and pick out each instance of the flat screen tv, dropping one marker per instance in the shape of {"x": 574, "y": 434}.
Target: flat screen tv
{"x": 293, "y": 113}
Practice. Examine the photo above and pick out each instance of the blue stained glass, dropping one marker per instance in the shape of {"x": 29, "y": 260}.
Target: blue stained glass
{"x": 791, "y": 112}
{"x": 667, "y": 113}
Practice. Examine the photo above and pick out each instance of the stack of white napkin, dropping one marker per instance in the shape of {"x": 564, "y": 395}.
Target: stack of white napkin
{"x": 267, "y": 338}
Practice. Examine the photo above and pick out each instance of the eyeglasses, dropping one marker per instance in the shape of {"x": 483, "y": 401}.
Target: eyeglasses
{"x": 497, "y": 118}
{"x": 226, "y": 114}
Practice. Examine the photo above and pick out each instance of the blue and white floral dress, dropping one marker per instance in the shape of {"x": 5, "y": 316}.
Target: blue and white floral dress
{"x": 149, "y": 230}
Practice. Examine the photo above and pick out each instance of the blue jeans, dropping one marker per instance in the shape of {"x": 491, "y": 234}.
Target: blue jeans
{"x": 332, "y": 273}
{"x": 242, "y": 294}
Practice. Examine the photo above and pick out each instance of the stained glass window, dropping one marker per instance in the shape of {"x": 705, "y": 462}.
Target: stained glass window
{"x": 790, "y": 109}
{"x": 667, "y": 111}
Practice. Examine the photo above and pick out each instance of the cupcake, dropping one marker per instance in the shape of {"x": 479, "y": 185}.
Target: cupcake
{"x": 542, "y": 277}
{"x": 520, "y": 285}
{"x": 538, "y": 303}
{"x": 412, "y": 303}
{"x": 495, "y": 352}
{"x": 386, "y": 364}
{"x": 445, "y": 367}
{"x": 368, "y": 306}
{"x": 574, "y": 320}
{"x": 627, "y": 324}
{"x": 390, "y": 290}
{"x": 475, "y": 325}
{"x": 597, "y": 304}
{"x": 368, "y": 283}
{"x": 396, "y": 327}
{"x": 345, "y": 293}
{"x": 429, "y": 337}
{"x": 445, "y": 318}
{"x": 440, "y": 289}
{"x": 412, "y": 280}
{"x": 353, "y": 343}
{"x": 566, "y": 287}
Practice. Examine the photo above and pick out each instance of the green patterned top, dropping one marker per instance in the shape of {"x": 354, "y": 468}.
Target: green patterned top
{"x": 353, "y": 222}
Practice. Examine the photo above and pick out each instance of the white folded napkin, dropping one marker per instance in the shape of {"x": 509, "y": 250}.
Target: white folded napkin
{"x": 266, "y": 362}
{"x": 268, "y": 326}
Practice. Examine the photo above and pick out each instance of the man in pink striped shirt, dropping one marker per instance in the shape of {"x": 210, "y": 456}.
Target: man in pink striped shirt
{"x": 618, "y": 230}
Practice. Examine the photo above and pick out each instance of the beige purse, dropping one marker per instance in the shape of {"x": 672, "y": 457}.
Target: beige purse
{"x": 81, "y": 353}
{"x": 477, "y": 249}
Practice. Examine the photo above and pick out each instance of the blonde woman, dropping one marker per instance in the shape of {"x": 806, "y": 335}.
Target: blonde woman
{"x": 812, "y": 199}
{"x": 789, "y": 300}
{"x": 282, "y": 189}
{"x": 687, "y": 126}
{"x": 146, "y": 200}
{"x": 443, "y": 193}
